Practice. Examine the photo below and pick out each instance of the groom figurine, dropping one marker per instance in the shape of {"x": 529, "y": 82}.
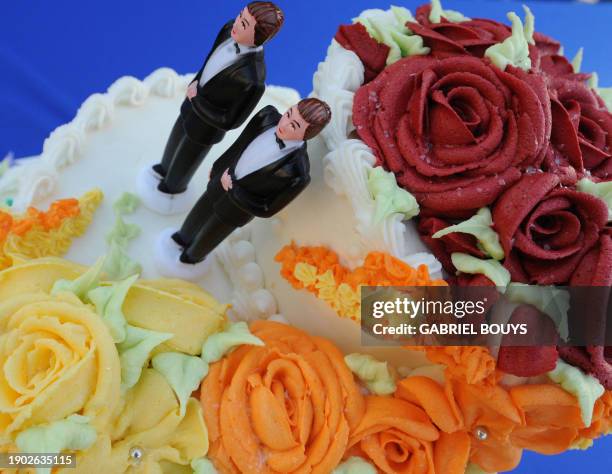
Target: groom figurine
{"x": 220, "y": 98}
{"x": 262, "y": 172}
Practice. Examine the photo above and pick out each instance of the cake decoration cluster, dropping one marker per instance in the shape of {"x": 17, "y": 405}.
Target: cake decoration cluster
{"x": 504, "y": 143}
{"x": 488, "y": 137}
{"x": 103, "y": 370}
{"x": 48, "y": 233}
{"x": 319, "y": 271}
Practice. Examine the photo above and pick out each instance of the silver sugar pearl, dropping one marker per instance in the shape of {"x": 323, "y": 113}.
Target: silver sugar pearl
{"x": 481, "y": 433}
{"x": 136, "y": 454}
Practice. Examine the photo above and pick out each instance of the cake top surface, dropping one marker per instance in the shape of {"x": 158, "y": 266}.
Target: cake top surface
{"x": 460, "y": 148}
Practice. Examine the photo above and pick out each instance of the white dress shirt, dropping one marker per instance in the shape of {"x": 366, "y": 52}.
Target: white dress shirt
{"x": 224, "y": 56}
{"x": 262, "y": 151}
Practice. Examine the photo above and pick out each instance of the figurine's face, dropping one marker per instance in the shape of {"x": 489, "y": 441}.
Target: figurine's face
{"x": 291, "y": 125}
{"x": 243, "y": 31}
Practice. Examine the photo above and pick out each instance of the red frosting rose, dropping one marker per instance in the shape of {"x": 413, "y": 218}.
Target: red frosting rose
{"x": 444, "y": 246}
{"x": 456, "y": 131}
{"x": 547, "y": 231}
{"x": 595, "y": 269}
{"x": 557, "y": 65}
{"x": 581, "y": 137}
{"x": 531, "y": 358}
{"x": 470, "y": 37}
{"x": 372, "y": 54}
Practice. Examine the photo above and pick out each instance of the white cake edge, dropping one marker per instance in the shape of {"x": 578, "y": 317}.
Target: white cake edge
{"x": 349, "y": 161}
{"x": 35, "y": 179}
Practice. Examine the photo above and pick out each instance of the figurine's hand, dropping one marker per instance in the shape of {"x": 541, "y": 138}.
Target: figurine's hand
{"x": 226, "y": 180}
{"x": 192, "y": 90}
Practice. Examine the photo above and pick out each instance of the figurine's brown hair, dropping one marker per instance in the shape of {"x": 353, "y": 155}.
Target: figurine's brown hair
{"x": 317, "y": 113}
{"x": 269, "y": 19}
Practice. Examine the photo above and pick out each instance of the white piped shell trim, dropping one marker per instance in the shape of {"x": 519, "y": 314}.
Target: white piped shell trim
{"x": 250, "y": 299}
{"x": 349, "y": 161}
{"x": 34, "y": 180}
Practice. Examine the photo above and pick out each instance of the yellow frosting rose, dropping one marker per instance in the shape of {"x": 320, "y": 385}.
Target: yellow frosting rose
{"x": 57, "y": 358}
{"x": 149, "y": 434}
{"x": 168, "y": 306}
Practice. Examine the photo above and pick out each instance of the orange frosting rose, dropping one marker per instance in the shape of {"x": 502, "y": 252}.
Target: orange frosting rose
{"x": 286, "y": 407}
{"x": 463, "y": 411}
{"x": 602, "y": 418}
{"x": 552, "y": 418}
{"x": 396, "y": 436}
{"x": 473, "y": 364}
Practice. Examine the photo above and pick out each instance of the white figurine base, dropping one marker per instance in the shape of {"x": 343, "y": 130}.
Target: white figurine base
{"x": 162, "y": 203}
{"x": 168, "y": 263}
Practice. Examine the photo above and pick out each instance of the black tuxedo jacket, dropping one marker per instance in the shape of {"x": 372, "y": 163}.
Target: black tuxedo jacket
{"x": 230, "y": 96}
{"x": 267, "y": 190}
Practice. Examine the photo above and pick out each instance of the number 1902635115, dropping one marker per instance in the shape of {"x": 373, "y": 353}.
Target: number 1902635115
{"x": 36, "y": 460}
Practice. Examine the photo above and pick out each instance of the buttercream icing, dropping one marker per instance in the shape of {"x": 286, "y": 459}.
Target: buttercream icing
{"x": 182, "y": 372}
{"x": 437, "y": 13}
{"x": 135, "y": 350}
{"x": 480, "y": 225}
{"x": 375, "y": 374}
{"x": 389, "y": 27}
{"x": 585, "y": 388}
{"x": 203, "y": 466}
{"x": 219, "y": 345}
{"x": 514, "y": 50}
{"x": 73, "y": 433}
{"x": 490, "y": 268}
{"x": 108, "y": 301}
{"x": 552, "y": 301}
{"x": 602, "y": 190}
{"x": 355, "y": 465}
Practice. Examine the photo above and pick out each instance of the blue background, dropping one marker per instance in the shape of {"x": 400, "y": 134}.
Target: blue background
{"x": 54, "y": 54}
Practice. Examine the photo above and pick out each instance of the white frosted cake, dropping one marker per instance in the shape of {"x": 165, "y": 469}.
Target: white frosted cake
{"x": 117, "y": 133}
{"x": 295, "y": 278}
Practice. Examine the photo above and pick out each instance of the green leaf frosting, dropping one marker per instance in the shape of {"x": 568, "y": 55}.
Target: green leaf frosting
{"x": 551, "y": 301}
{"x": 601, "y": 190}
{"x": 389, "y": 27}
{"x": 203, "y": 466}
{"x": 480, "y": 225}
{"x": 604, "y": 92}
{"x": 118, "y": 264}
{"x": 220, "y": 344}
{"x": 373, "y": 373}
{"x": 73, "y": 433}
{"x": 108, "y": 301}
{"x": 514, "y": 50}
{"x": 402, "y": 16}
{"x": 529, "y": 28}
{"x": 585, "y": 388}
{"x": 134, "y": 352}
{"x": 490, "y": 268}
{"x": 5, "y": 164}
{"x": 122, "y": 232}
{"x": 389, "y": 197}
{"x": 437, "y": 12}
{"x": 83, "y": 284}
{"x": 577, "y": 61}
{"x": 355, "y": 465}
{"x": 126, "y": 204}
{"x": 182, "y": 372}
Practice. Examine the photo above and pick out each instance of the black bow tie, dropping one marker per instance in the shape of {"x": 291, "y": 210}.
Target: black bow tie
{"x": 281, "y": 144}
{"x": 237, "y": 48}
